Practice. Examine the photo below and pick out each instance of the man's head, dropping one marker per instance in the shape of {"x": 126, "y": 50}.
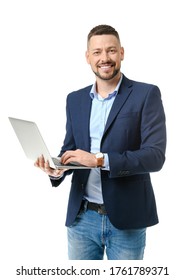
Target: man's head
{"x": 102, "y": 29}
{"x": 104, "y": 52}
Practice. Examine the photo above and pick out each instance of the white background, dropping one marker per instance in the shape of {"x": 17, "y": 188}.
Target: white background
{"x": 42, "y": 59}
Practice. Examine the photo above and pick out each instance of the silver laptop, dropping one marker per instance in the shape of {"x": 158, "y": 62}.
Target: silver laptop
{"x": 34, "y": 146}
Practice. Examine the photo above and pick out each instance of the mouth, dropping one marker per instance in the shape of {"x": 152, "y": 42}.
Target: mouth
{"x": 106, "y": 66}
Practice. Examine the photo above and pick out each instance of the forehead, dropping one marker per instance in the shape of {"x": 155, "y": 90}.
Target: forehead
{"x": 103, "y": 41}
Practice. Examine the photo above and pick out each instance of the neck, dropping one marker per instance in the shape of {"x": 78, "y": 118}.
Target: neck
{"x": 105, "y": 87}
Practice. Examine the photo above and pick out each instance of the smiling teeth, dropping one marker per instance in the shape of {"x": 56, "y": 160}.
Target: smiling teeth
{"x": 104, "y": 67}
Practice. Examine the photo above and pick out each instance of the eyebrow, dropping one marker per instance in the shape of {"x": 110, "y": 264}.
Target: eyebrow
{"x": 111, "y": 47}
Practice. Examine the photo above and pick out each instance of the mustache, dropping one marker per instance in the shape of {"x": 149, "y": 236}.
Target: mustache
{"x": 112, "y": 63}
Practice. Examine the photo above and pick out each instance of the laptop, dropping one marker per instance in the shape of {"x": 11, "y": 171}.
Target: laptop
{"x": 34, "y": 146}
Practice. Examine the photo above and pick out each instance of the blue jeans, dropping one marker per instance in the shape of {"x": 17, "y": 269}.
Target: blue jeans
{"x": 92, "y": 234}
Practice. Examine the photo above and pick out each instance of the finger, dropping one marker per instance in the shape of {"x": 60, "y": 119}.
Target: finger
{"x": 46, "y": 164}
{"x": 66, "y": 157}
{"x": 47, "y": 168}
{"x": 58, "y": 172}
{"x": 72, "y": 156}
{"x": 71, "y": 160}
{"x": 41, "y": 161}
{"x": 36, "y": 163}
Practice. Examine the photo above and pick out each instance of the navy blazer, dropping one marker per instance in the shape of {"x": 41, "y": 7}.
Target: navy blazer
{"x": 135, "y": 141}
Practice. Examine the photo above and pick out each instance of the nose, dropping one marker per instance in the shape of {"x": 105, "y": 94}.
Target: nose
{"x": 104, "y": 56}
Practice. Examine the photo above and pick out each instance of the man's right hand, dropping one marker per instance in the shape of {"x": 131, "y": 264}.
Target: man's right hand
{"x": 44, "y": 166}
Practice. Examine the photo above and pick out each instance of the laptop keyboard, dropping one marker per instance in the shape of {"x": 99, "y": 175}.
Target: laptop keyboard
{"x": 58, "y": 163}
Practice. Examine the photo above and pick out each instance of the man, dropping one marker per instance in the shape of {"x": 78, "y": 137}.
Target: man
{"x": 116, "y": 126}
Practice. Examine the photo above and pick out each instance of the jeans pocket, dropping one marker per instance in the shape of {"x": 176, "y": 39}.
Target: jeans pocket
{"x": 78, "y": 218}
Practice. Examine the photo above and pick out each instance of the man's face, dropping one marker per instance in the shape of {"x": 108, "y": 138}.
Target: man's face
{"x": 105, "y": 54}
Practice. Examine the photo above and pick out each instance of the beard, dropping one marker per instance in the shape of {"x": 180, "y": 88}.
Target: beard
{"x": 108, "y": 76}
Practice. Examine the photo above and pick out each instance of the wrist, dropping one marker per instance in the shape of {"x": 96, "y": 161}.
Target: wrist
{"x": 99, "y": 159}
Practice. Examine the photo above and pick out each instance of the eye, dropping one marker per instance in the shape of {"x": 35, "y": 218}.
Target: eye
{"x": 112, "y": 51}
{"x": 96, "y": 53}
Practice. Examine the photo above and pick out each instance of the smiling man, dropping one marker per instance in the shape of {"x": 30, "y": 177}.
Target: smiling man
{"x": 104, "y": 54}
{"x": 116, "y": 127}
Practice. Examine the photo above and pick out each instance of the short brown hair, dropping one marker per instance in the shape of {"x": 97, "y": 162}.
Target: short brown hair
{"x": 103, "y": 29}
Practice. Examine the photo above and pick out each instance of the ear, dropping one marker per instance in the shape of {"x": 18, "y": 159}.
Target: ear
{"x": 122, "y": 53}
{"x": 87, "y": 57}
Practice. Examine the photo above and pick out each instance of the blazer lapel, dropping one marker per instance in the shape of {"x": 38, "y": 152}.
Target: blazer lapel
{"x": 86, "y": 103}
{"x": 123, "y": 93}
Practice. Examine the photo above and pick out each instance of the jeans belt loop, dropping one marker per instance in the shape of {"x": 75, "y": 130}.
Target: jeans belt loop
{"x": 85, "y": 203}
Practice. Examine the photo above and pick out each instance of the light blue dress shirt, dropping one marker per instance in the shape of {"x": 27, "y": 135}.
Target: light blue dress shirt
{"x": 99, "y": 114}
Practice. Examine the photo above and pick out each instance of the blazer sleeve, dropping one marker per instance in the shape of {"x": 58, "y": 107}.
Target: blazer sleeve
{"x": 150, "y": 156}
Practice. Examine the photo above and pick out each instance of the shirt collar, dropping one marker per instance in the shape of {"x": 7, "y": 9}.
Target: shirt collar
{"x": 93, "y": 93}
